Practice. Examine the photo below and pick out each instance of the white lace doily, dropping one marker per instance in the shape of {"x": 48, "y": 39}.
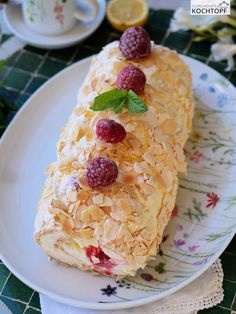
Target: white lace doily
{"x": 206, "y": 291}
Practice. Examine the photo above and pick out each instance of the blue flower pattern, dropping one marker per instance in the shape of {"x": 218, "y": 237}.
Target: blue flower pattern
{"x": 222, "y": 100}
{"x": 204, "y": 76}
{"x": 109, "y": 290}
{"x": 212, "y": 89}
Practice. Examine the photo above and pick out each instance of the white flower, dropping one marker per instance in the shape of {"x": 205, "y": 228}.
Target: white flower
{"x": 183, "y": 20}
{"x": 221, "y": 51}
{"x": 226, "y": 39}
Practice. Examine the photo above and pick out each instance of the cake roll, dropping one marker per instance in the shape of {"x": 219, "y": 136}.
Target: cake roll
{"x": 111, "y": 191}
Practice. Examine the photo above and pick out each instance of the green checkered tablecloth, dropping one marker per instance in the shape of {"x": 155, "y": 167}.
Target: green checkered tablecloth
{"x": 30, "y": 67}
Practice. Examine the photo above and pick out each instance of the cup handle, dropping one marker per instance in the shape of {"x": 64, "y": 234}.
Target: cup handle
{"x": 84, "y": 16}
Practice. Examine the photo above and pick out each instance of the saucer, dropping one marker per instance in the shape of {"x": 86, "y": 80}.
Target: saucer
{"x": 14, "y": 20}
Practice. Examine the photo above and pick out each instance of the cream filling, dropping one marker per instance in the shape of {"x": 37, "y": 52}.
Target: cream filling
{"x": 61, "y": 247}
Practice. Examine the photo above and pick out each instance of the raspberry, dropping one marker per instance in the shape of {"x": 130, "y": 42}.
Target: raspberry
{"x": 135, "y": 43}
{"x": 101, "y": 172}
{"x": 110, "y": 131}
{"x": 131, "y": 77}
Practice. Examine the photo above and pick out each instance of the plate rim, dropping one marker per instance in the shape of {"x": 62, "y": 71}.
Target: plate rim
{"x": 35, "y": 43}
{"x": 95, "y": 305}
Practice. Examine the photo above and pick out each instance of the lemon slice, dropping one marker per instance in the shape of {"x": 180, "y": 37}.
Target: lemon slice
{"x": 123, "y": 14}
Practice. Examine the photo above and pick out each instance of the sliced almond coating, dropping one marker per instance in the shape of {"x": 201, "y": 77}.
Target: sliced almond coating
{"x": 154, "y": 201}
{"x": 110, "y": 230}
{"x": 96, "y": 213}
{"x": 170, "y": 163}
{"x": 92, "y": 213}
{"x": 152, "y": 181}
{"x": 73, "y": 207}
{"x": 50, "y": 169}
{"x": 85, "y": 233}
{"x": 67, "y": 227}
{"x": 116, "y": 187}
{"x": 82, "y": 195}
{"x": 80, "y": 133}
{"x": 66, "y": 167}
{"x": 140, "y": 260}
{"x": 47, "y": 192}
{"x": 107, "y": 201}
{"x": 94, "y": 83}
{"x": 140, "y": 180}
{"x": 98, "y": 199}
{"x": 72, "y": 196}
{"x": 78, "y": 110}
{"x": 85, "y": 216}
{"x": 128, "y": 237}
{"x": 121, "y": 210}
{"x": 85, "y": 237}
{"x": 89, "y": 135}
{"x": 149, "y": 159}
{"x": 135, "y": 144}
{"x": 111, "y": 254}
{"x": 118, "y": 215}
{"x": 127, "y": 179}
{"x": 59, "y": 204}
{"x": 141, "y": 167}
{"x": 125, "y": 205}
{"x": 89, "y": 114}
{"x": 147, "y": 188}
{"x": 156, "y": 149}
{"x": 121, "y": 231}
{"x": 83, "y": 182}
{"x": 167, "y": 177}
{"x": 137, "y": 250}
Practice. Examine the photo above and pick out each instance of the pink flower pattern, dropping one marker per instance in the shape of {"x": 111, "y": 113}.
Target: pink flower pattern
{"x": 179, "y": 243}
{"x": 193, "y": 248}
{"x": 58, "y": 9}
{"x": 212, "y": 200}
{"x": 196, "y": 156}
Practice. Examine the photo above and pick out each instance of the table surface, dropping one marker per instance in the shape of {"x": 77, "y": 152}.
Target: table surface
{"x": 30, "y": 67}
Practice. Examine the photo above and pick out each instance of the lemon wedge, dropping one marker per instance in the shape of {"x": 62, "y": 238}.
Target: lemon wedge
{"x": 123, "y": 14}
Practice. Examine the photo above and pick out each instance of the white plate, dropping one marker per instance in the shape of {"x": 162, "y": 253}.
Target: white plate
{"x": 14, "y": 20}
{"x": 203, "y": 227}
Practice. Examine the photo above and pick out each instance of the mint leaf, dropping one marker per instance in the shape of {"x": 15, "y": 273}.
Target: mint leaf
{"x": 119, "y": 107}
{"x": 110, "y": 99}
{"x": 135, "y": 103}
{"x": 116, "y": 99}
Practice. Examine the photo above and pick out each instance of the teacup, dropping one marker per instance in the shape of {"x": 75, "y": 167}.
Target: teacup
{"x": 54, "y": 17}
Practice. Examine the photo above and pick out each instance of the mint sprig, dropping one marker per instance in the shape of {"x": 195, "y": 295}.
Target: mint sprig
{"x": 116, "y": 99}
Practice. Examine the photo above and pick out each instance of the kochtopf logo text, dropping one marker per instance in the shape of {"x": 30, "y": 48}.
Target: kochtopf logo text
{"x": 210, "y": 7}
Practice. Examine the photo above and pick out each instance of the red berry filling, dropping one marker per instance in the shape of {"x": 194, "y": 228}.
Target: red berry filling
{"x": 105, "y": 262}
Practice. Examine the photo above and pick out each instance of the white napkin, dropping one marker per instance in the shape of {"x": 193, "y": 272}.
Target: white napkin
{"x": 206, "y": 291}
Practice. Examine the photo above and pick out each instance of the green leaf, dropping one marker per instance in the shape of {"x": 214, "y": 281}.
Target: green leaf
{"x": 135, "y": 103}
{"x": 160, "y": 268}
{"x": 110, "y": 99}
{"x": 2, "y": 62}
{"x": 119, "y": 107}
{"x": 2, "y": 104}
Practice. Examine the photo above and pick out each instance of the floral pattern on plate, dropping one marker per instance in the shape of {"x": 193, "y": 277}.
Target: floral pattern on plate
{"x": 204, "y": 216}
